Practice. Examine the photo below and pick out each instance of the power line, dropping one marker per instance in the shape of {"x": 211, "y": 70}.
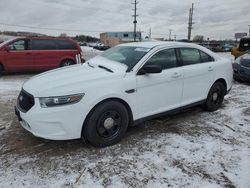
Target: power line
{"x": 48, "y": 28}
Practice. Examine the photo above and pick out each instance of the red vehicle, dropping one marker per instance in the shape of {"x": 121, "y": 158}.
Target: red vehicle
{"x": 24, "y": 54}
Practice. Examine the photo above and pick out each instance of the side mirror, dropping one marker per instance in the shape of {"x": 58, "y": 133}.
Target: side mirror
{"x": 150, "y": 69}
{"x": 7, "y": 48}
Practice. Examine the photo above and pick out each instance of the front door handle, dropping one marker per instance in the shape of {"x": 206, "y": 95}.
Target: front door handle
{"x": 210, "y": 68}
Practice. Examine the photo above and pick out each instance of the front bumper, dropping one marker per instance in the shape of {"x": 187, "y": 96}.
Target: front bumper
{"x": 56, "y": 123}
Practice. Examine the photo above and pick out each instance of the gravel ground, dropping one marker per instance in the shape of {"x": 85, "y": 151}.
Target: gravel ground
{"x": 192, "y": 149}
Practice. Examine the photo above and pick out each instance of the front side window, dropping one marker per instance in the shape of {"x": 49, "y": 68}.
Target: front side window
{"x": 128, "y": 55}
{"x": 165, "y": 58}
{"x": 190, "y": 56}
{"x": 41, "y": 44}
{"x": 19, "y": 45}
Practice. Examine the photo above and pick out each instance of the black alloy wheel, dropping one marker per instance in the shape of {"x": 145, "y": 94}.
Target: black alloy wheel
{"x": 109, "y": 124}
{"x": 106, "y": 124}
{"x": 215, "y": 97}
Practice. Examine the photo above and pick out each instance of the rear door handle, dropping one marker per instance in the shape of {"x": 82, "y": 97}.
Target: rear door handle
{"x": 210, "y": 68}
{"x": 176, "y": 75}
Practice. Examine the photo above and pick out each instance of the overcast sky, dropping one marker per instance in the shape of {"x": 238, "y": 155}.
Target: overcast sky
{"x": 216, "y": 19}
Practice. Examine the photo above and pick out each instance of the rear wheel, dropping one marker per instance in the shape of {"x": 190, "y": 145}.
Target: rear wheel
{"x": 215, "y": 97}
{"x": 106, "y": 124}
{"x": 67, "y": 62}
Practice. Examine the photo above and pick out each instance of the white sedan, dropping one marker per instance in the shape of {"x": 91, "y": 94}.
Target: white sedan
{"x": 125, "y": 85}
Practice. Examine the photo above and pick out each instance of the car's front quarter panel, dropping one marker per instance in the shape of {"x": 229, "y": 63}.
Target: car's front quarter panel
{"x": 113, "y": 89}
{"x": 66, "y": 121}
{"x": 55, "y": 123}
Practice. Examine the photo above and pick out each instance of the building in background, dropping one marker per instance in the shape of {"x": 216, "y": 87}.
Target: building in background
{"x": 114, "y": 38}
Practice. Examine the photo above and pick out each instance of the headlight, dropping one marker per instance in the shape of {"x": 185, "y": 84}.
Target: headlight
{"x": 58, "y": 101}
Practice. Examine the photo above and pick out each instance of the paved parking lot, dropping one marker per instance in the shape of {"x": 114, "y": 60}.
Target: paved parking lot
{"x": 191, "y": 149}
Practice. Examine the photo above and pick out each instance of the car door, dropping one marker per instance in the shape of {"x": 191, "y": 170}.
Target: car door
{"x": 198, "y": 71}
{"x": 45, "y": 54}
{"x": 160, "y": 92}
{"x": 18, "y": 57}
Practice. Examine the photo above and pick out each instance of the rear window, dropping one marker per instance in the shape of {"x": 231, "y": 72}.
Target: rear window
{"x": 65, "y": 45}
{"x": 244, "y": 45}
{"x": 41, "y": 44}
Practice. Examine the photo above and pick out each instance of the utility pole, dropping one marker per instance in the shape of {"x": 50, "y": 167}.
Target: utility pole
{"x": 190, "y": 21}
{"x": 150, "y": 33}
{"x": 169, "y": 37}
{"x": 135, "y": 17}
{"x": 249, "y": 30}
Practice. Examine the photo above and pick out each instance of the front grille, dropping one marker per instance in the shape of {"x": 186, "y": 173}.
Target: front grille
{"x": 25, "y": 101}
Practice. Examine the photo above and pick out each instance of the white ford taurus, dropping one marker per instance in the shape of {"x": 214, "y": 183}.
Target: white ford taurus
{"x": 125, "y": 85}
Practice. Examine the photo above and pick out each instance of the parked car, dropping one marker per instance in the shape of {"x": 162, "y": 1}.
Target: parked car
{"x": 243, "y": 47}
{"x": 227, "y": 47}
{"x": 242, "y": 68}
{"x": 123, "y": 86}
{"x": 25, "y": 54}
{"x": 101, "y": 47}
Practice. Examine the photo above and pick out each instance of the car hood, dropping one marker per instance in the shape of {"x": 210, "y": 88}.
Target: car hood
{"x": 74, "y": 79}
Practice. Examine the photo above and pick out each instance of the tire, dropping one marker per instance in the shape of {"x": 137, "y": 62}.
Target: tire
{"x": 215, "y": 97}
{"x": 67, "y": 62}
{"x": 106, "y": 124}
{"x": 1, "y": 69}
{"x": 237, "y": 79}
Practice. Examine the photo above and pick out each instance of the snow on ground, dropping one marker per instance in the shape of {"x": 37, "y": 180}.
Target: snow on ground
{"x": 191, "y": 149}
{"x": 89, "y": 52}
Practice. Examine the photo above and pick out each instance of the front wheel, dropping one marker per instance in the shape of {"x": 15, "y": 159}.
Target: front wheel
{"x": 106, "y": 124}
{"x": 215, "y": 97}
{"x": 1, "y": 69}
{"x": 67, "y": 62}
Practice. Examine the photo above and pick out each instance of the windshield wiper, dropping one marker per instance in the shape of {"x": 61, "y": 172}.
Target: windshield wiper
{"x": 107, "y": 69}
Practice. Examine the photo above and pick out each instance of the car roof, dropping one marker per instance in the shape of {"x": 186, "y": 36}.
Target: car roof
{"x": 42, "y": 37}
{"x": 153, "y": 44}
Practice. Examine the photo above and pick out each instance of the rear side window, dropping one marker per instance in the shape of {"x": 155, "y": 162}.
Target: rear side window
{"x": 190, "y": 56}
{"x": 65, "y": 45}
{"x": 165, "y": 58}
{"x": 41, "y": 44}
{"x": 205, "y": 57}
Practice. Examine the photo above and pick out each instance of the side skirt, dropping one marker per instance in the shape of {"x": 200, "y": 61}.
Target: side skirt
{"x": 167, "y": 113}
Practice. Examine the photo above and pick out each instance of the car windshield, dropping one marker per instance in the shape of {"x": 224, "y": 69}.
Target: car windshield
{"x": 5, "y": 42}
{"x": 128, "y": 55}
